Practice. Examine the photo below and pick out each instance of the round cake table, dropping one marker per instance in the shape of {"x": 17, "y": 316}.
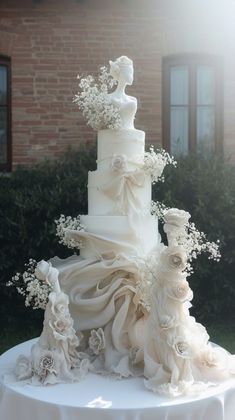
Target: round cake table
{"x": 101, "y": 398}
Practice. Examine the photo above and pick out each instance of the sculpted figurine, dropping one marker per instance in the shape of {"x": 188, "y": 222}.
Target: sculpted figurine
{"x": 122, "y": 71}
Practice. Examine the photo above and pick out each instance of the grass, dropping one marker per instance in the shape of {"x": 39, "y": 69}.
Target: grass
{"x": 221, "y": 333}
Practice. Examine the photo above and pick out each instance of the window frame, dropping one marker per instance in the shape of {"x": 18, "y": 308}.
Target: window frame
{"x": 6, "y": 61}
{"x": 191, "y": 61}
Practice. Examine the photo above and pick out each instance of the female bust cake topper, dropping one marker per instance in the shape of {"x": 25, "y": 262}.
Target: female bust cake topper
{"x": 122, "y": 70}
{"x": 101, "y": 105}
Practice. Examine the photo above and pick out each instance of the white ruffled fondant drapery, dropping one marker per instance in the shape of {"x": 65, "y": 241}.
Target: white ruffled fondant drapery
{"x": 103, "y": 293}
{"x": 165, "y": 345}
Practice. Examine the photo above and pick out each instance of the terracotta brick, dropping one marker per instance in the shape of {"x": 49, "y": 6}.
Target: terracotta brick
{"x": 53, "y": 41}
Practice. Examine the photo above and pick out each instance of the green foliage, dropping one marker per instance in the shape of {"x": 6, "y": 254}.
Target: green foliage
{"x": 32, "y": 198}
{"x": 206, "y": 188}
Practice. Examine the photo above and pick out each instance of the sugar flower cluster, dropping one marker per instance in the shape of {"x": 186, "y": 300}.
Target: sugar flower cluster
{"x": 169, "y": 324}
{"x": 54, "y": 357}
{"x": 170, "y": 298}
{"x": 35, "y": 290}
{"x": 155, "y": 162}
{"x": 66, "y": 224}
{"x": 165, "y": 268}
{"x": 94, "y": 102}
{"x": 184, "y": 233}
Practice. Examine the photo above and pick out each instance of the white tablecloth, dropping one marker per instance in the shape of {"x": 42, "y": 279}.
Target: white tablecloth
{"x": 100, "y": 398}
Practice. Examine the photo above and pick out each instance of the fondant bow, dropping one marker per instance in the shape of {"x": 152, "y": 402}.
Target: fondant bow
{"x": 120, "y": 190}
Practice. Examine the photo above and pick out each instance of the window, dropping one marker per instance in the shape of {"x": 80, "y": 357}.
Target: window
{"x": 192, "y": 104}
{"x": 5, "y": 114}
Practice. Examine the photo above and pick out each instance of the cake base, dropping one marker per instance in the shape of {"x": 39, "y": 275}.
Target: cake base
{"x": 104, "y": 398}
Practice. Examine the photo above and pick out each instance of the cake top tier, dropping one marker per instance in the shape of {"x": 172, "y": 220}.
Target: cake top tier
{"x": 127, "y": 142}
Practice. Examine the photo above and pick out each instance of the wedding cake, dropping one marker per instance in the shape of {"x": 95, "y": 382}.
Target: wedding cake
{"x": 122, "y": 306}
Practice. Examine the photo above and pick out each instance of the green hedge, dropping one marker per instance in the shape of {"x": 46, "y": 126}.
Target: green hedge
{"x": 206, "y": 188}
{"x": 32, "y": 198}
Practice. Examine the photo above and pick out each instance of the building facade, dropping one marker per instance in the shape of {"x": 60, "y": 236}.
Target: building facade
{"x": 184, "y": 57}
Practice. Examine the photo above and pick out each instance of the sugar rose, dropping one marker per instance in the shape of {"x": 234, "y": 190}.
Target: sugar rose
{"x": 166, "y": 322}
{"x": 61, "y": 327}
{"x": 180, "y": 346}
{"x": 119, "y": 163}
{"x": 23, "y": 369}
{"x": 212, "y": 357}
{"x": 45, "y": 362}
{"x": 59, "y": 304}
{"x": 174, "y": 258}
{"x": 180, "y": 291}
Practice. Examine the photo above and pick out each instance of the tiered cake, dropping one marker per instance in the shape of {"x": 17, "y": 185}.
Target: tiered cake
{"x": 128, "y": 293}
{"x": 119, "y": 194}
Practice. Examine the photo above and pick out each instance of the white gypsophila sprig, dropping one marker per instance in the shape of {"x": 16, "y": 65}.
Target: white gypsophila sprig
{"x": 34, "y": 290}
{"x": 193, "y": 241}
{"x": 147, "y": 278}
{"x": 94, "y": 102}
{"x": 69, "y": 223}
{"x": 196, "y": 243}
{"x": 155, "y": 162}
{"x": 158, "y": 209}
{"x": 107, "y": 82}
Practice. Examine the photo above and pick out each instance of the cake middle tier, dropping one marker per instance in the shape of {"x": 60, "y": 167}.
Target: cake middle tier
{"x": 114, "y": 192}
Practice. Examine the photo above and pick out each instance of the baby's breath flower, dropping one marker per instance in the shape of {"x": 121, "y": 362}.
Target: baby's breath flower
{"x": 34, "y": 290}
{"x": 147, "y": 271}
{"x": 154, "y": 163}
{"x": 94, "y": 102}
{"x": 158, "y": 209}
{"x": 67, "y": 222}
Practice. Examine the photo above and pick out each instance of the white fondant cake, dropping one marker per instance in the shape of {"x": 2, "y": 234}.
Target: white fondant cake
{"x": 128, "y": 293}
{"x": 119, "y": 194}
{"x": 119, "y": 186}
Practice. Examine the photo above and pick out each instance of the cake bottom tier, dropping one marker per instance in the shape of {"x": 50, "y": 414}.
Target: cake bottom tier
{"x": 138, "y": 234}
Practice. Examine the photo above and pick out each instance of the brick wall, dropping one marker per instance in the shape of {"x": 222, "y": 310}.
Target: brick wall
{"x": 52, "y": 41}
